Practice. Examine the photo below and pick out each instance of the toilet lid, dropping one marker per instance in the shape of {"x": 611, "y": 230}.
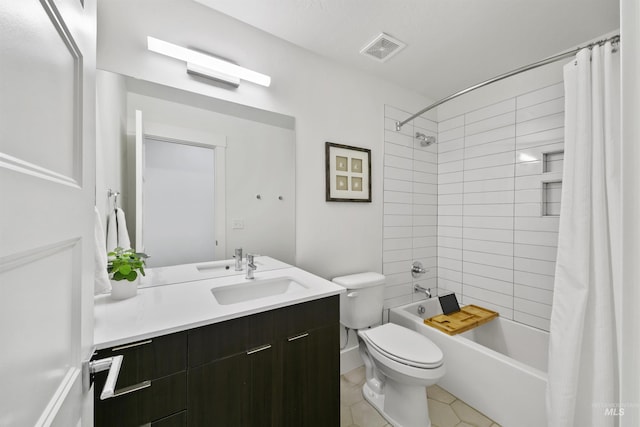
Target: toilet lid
{"x": 405, "y": 346}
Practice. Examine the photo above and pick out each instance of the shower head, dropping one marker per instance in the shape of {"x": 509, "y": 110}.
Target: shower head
{"x": 425, "y": 140}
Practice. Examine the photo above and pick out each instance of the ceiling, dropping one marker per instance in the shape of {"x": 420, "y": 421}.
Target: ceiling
{"x": 452, "y": 44}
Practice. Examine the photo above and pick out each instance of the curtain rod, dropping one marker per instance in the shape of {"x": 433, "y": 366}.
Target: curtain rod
{"x": 549, "y": 60}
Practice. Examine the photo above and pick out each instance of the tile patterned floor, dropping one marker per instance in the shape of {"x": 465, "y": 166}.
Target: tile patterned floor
{"x": 445, "y": 409}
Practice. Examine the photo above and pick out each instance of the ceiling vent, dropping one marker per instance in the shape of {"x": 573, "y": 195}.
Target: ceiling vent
{"x": 382, "y": 47}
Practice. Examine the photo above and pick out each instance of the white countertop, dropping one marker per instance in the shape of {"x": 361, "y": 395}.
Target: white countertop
{"x": 161, "y": 310}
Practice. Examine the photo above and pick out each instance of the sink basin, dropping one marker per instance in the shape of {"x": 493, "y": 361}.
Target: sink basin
{"x": 256, "y": 289}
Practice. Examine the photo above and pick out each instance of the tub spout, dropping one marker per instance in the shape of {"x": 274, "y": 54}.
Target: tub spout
{"x": 418, "y": 288}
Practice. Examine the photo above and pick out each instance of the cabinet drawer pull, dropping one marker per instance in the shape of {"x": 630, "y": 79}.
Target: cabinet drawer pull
{"x": 297, "y": 337}
{"x": 122, "y": 347}
{"x": 132, "y": 388}
{"x": 257, "y": 349}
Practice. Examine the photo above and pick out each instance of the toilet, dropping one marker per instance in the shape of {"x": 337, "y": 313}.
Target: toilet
{"x": 399, "y": 363}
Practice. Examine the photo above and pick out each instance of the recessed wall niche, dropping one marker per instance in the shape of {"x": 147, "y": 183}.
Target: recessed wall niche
{"x": 552, "y": 162}
{"x": 551, "y": 196}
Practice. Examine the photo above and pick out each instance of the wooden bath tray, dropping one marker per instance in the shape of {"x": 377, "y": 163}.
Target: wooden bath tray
{"x": 469, "y": 317}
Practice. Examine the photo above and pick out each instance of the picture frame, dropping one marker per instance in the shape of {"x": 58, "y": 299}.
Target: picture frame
{"x": 348, "y": 173}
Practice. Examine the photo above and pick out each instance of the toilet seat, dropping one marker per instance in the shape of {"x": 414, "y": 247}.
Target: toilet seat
{"x": 404, "y": 346}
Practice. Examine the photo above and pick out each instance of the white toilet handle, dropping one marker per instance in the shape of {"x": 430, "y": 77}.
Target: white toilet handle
{"x": 352, "y": 294}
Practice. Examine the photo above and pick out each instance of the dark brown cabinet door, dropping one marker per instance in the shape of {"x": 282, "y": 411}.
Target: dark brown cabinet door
{"x": 234, "y": 391}
{"x": 217, "y": 392}
{"x": 261, "y": 388}
{"x": 311, "y": 378}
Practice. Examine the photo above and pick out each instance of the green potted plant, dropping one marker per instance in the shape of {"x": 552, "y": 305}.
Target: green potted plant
{"x": 124, "y": 267}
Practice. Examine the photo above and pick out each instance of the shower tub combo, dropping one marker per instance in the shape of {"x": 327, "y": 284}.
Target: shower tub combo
{"x": 499, "y": 368}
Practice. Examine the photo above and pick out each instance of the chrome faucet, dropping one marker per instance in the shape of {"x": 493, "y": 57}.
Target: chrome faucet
{"x": 251, "y": 267}
{"x": 238, "y": 257}
{"x": 418, "y": 288}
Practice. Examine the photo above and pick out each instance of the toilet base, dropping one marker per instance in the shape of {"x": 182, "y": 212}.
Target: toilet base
{"x": 377, "y": 401}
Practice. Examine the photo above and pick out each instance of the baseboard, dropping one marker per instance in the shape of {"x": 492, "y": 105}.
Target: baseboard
{"x": 350, "y": 359}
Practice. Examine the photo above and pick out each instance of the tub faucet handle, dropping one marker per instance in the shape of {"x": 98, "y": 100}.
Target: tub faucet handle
{"x": 417, "y": 270}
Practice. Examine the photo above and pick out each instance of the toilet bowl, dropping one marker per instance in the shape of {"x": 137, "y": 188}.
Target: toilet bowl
{"x": 399, "y": 363}
{"x": 404, "y": 363}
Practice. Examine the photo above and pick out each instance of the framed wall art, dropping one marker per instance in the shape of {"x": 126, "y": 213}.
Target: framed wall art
{"x": 348, "y": 173}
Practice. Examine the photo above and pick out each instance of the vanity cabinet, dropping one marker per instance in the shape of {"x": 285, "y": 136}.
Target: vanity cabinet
{"x": 280, "y": 368}
{"x": 276, "y": 368}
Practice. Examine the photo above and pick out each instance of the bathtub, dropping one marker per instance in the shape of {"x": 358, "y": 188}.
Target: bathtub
{"x": 499, "y": 368}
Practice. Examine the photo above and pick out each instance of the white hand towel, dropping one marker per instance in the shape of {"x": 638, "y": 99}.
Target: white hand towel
{"x": 112, "y": 232}
{"x": 101, "y": 282}
{"x": 123, "y": 233}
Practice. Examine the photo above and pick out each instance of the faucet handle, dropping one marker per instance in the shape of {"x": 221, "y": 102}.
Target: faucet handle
{"x": 238, "y": 257}
{"x": 250, "y": 266}
{"x": 417, "y": 270}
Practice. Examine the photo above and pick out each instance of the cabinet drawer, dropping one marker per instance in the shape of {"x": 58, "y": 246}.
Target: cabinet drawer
{"x": 161, "y": 398}
{"x": 300, "y": 318}
{"x": 149, "y": 359}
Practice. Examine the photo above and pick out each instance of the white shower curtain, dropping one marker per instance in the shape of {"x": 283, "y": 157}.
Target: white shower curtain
{"x": 583, "y": 354}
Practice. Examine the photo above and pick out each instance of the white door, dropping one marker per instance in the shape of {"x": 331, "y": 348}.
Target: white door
{"x": 179, "y": 225}
{"x": 47, "y": 180}
{"x": 162, "y": 207}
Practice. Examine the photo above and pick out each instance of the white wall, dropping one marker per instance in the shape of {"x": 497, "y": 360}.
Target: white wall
{"x": 495, "y": 247}
{"x": 111, "y": 128}
{"x": 329, "y": 102}
{"x": 410, "y": 207}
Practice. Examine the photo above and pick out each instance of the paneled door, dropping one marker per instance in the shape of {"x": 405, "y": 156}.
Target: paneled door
{"x": 47, "y": 193}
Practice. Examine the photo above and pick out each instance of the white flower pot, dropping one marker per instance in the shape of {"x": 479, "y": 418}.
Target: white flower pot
{"x": 123, "y": 289}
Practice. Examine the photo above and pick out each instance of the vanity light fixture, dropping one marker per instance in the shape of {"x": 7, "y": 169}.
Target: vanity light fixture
{"x": 206, "y": 65}
{"x": 197, "y": 70}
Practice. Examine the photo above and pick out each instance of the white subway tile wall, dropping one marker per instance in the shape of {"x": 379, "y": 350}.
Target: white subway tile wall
{"x": 472, "y": 207}
{"x": 410, "y": 207}
{"x": 496, "y": 246}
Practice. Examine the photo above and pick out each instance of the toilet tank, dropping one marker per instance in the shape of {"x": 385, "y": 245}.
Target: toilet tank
{"x": 361, "y": 305}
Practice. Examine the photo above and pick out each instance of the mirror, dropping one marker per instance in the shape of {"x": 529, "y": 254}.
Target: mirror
{"x": 198, "y": 176}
